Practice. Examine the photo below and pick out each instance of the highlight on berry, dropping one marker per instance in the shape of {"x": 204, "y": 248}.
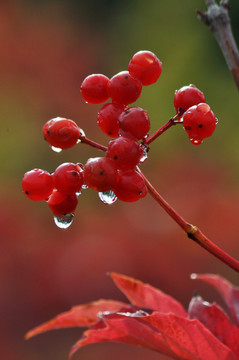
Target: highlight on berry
{"x": 116, "y": 174}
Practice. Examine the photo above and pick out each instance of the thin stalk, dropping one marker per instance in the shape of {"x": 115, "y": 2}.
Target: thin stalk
{"x": 85, "y": 140}
{"x": 172, "y": 121}
{"x": 192, "y": 231}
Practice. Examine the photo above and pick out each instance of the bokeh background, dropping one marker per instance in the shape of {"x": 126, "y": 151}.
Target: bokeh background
{"x": 46, "y": 50}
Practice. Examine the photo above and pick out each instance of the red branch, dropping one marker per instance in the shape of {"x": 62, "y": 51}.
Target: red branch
{"x": 192, "y": 231}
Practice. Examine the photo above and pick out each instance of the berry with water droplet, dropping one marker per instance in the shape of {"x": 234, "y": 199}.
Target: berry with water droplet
{"x": 134, "y": 121}
{"x": 199, "y": 122}
{"x": 145, "y": 66}
{"x": 68, "y": 178}
{"x": 108, "y": 118}
{"x": 124, "y": 88}
{"x": 130, "y": 186}
{"x": 100, "y": 173}
{"x": 61, "y": 133}
{"x": 37, "y": 184}
{"x": 125, "y": 152}
{"x": 61, "y": 204}
{"x": 186, "y": 97}
{"x": 94, "y": 89}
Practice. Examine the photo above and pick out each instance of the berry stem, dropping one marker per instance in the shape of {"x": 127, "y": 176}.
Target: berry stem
{"x": 172, "y": 121}
{"x": 92, "y": 143}
{"x": 218, "y": 20}
{"x": 192, "y": 231}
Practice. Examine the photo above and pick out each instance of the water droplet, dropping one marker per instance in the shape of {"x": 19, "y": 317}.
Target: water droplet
{"x": 82, "y": 133}
{"x": 84, "y": 186}
{"x": 56, "y": 149}
{"x": 196, "y": 141}
{"x": 64, "y": 221}
{"x": 203, "y": 108}
{"x": 107, "y": 197}
{"x": 144, "y": 156}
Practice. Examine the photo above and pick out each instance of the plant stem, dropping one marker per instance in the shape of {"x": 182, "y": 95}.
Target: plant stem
{"x": 192, "y": 231}
{"x": 218, "y": 21}
{"x": 172, "y": 121}
{"x": 85, "y": 140}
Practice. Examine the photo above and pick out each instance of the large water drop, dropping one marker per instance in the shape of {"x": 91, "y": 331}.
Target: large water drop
{"x": 64, "y": 221}
{"x": 144, "y": 156}
{"x": 107, "y": 197}
{"x": 56, "y": 149}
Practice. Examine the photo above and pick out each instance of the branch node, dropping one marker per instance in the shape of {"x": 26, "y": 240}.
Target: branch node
{"x": 191, "y": 232}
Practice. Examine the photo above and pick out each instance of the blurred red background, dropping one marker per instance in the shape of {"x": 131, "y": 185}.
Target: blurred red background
{"x": 46, "y": 51}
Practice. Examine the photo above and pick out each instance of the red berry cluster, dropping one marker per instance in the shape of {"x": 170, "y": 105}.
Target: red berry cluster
{"x": 198, "y": 119}
{"x": 115, "y": 175}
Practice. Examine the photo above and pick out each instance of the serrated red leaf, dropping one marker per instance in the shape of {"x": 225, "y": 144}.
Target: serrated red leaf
{"x": 176, "y": 336}
{"x": 82, "y": 315}
{"x": 217, "y": 321}
{"x": 147, "y": 296}
{"x": 229, "y": 292}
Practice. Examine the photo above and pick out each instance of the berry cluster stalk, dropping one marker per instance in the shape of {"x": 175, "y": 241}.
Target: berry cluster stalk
{"x": 218, "y": 21}
{"x": 171, "y": 122}
{"x": 192, "y": 231}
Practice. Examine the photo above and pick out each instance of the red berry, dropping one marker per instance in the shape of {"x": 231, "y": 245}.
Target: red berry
{"x": 125, "y": 152}
{"x": 124, "y": 88}
{"x": 134, "y": 121}
{"x": 187, "y": 96}
{"x": 37, "y": 184}
{"x": 100, "y": 174}
{"x": 130, "y": 186}
{"x": 94, "y": 89}
{"x": 199, "y": 122}
{"x": 146, "y": 67}
{"x": 68, "y": 178}
{"x": 108, "y": 118}
{"x": 61, "y": 133}
{"x": 62, "y": 204}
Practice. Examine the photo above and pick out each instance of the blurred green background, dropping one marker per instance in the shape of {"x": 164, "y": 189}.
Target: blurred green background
{"x": 46, "y": 50}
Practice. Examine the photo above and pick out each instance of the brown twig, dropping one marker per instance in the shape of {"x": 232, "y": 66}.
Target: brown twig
{"x": 218, "y": 20}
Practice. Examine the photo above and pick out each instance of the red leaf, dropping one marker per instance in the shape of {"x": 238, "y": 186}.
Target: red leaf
{"x": 146, "y": 296}
{"x": 169, "y": 334}
{"x": 229, "y": 292}
{"x": 82, "y": 315}
{"x": 217, "y": 321}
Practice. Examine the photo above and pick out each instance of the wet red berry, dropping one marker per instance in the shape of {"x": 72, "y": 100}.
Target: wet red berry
{"x": 186, "y": 97}
{"x": 130, "y": 186}
{"x": 94, "y": 89}
{"x": 125, "y": 152}
{"x": 61, "y": 133}
{"x": 37, "y": 184}
{"x": 134, "y": 121}
{"x": 199, "y": 122}
{"x": 61, "y": 204}
{"x": 124, "y": 88}
{"x": 68, "y": 178}
{"x": 146, "y": 67}
{"x": 100, "y": 174}
{"x": 108, "y": 118}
